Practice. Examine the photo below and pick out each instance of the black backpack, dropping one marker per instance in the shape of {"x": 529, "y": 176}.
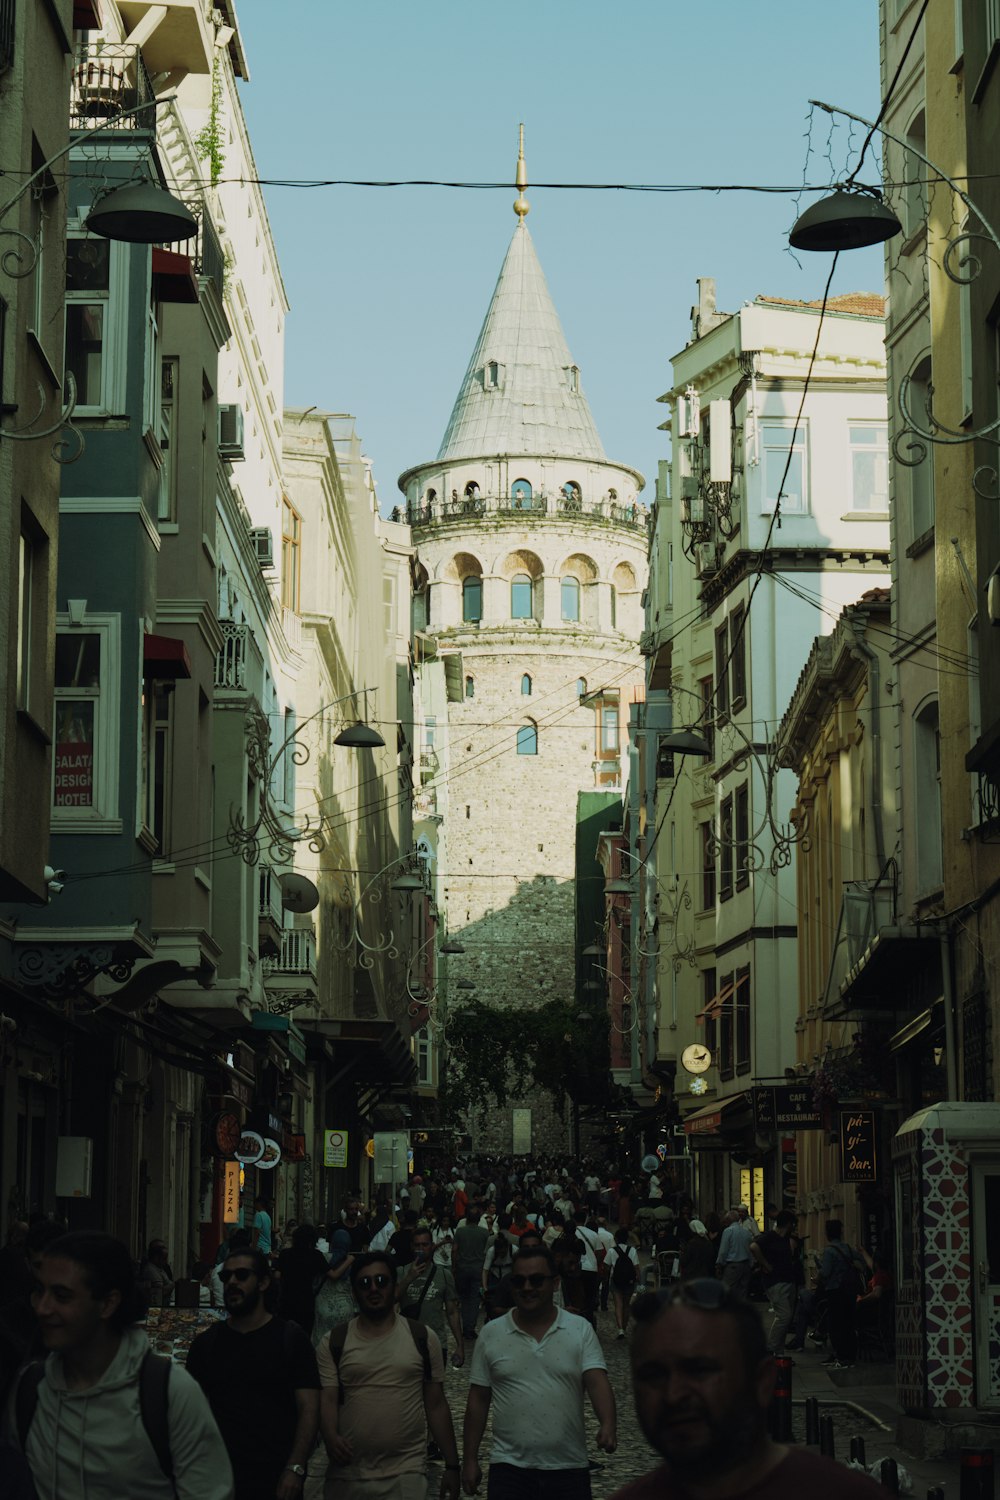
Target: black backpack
{"x": 338, "y": 1338}
{"x": 154, "y": 1405}
{"x": 623, "y": 1272}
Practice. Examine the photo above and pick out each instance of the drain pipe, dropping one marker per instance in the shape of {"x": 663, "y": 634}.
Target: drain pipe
{"x": 948, "y": 1004}
{"x": 864, "y": 653}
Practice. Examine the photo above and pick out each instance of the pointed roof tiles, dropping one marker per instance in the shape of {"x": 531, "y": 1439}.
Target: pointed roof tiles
{"x": 521, "y": 393}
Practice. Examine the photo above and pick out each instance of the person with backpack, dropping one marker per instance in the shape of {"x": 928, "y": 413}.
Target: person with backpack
{"x": 259, "y": 1374}
{"x": 624, "y": 1263}
{"x": 841, "y": 1277}
{"x": 104, "y": 1416}
{"x": 382, "y": 1381}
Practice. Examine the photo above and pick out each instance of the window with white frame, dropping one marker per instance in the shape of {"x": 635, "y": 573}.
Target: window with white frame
{"x": 167, "y": 424}
{"x": 425, "y": 1058}
{"x": 927, "y": 796}
{"x": 784, "y": 447}
{"x": 86, "y": 725}
{"x": 919, "y": 452}
{"x": 153, "y": 375}
{"x": 156, "y": 768}
{"x": 609, "y": 729}
{"x": 95, "y": 346}
{"x": 869, "y": 448}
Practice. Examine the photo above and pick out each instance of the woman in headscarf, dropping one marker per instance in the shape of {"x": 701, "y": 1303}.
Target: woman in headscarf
{"x": 697, "y": 1258}
{"x": 335, "y": 1300}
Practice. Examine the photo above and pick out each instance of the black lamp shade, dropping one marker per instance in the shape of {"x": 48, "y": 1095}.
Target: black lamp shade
{"x": 844, "y": 221}
{"x": 684, "y": 742}
{"x": 142, "y": 214}
{"x": 360, "y": 737}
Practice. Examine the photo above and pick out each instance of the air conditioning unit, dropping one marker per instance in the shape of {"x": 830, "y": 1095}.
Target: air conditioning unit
{"x": 263, "y": 545}
{"x": 688, "y": 413}
{"x": 231, "y": 432}
{"x": 707, "y": 559}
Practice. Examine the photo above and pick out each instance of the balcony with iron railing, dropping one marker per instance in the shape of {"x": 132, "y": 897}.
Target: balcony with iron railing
{"x": 518, "y": 508}
{"x": 231, "y": 661}
{"x": 107, "y": 80}
{"x": 204, "y": 248}
{"x": 290, "y": 977}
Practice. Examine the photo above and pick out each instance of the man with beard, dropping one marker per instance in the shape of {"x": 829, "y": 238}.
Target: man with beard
{"x": 259, "y": 1374}
{"x": 534, "y": 1365}
{"x": 703, "y": 1377}
{"x": 383, "y": 1387}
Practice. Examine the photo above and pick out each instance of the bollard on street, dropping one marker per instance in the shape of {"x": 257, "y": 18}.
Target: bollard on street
{"x": 889, "y": 1476}
{"x": 975, "y": 1474}
{"x": 826, "y": 1443}
{"x": 858, "y": 1449}
{"x": 812, "y": 1419}
{"x": 781, "y": 1401}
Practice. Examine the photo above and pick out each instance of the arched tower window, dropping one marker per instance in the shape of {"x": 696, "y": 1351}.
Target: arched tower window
{"x": 572, "y": 495}
{"x": 520, "y": 493}
{"x": 569, "y": 598}
{"x": 470, "y": 687}
{"x": 581, "y": 687}
{"x": 521, "y": 600}
{"x": 526, "y": 686}
{"x": 614, "y": 607}
{"x": 431, "y": 496}
{"x": 472, "y": 599}
{"x": 527, "y": 739}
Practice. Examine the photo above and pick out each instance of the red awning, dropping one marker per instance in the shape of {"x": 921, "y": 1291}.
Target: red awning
{"x": 708, "y": 1119}
{"x": 173, "y": 276}
{"x": 164, "y": 656}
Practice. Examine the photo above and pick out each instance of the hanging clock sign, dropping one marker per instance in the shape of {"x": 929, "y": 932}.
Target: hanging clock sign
{"x": 226, "y": 1132}
{"x": 249, "y": 1148}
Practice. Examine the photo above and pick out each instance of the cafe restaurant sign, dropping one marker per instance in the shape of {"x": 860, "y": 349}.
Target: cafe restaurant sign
{"x": 784, "y": 1107}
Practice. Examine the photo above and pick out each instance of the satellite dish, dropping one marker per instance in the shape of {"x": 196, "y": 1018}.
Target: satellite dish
{"x": 298, "y": 893}
{"x": 650, "y": 1163}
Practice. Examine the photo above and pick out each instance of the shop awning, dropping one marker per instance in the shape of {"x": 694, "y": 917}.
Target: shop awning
{"x": 173, "y": 276}
{"x": 165, "y": 656}
{"x": 714, "y": 1006}
{"x": 377, "y": 1052}
{"x": 895, "y": 969}
{"x": 709, "y": 1119}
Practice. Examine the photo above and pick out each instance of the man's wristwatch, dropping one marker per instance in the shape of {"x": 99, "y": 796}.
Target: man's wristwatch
{"x": 296, "y": 1469}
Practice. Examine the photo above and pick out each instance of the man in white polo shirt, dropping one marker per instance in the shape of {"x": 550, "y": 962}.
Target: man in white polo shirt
{"x": 536, "y": 1361}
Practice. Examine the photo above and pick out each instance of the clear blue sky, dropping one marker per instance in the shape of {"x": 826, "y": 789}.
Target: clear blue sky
{"x": 388, "y": 287}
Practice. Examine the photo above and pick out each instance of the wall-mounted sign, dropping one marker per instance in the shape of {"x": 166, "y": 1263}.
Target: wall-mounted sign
{"x": 226, "y": 1132}
{"x": 231, "y": 1192}
{"x": 335, "y": 1148}
{"x": 270, "y": 1156}
{"x": 785, "y": 1106}
{"x": 858, "y": 1152}
{"x": 250, "y": 1148}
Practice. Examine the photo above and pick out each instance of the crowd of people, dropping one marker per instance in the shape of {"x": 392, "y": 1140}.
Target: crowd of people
{"x": 324, "y": 1371}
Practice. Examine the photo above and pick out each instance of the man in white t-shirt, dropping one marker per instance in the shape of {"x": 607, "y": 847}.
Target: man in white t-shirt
{"x": 534, "y": 1365}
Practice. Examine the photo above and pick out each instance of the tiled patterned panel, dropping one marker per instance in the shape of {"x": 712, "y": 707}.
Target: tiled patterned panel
{"x": 941, "y": 1375}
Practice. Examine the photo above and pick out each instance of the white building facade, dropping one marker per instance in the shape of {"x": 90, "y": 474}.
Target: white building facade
{"x": 754, "y": 581}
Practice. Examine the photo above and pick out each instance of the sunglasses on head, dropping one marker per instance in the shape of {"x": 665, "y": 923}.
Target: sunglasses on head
{"x": 535, "y": 1280}
{"x": 380, "y": 1280}
{"x": 241, "y": 1273}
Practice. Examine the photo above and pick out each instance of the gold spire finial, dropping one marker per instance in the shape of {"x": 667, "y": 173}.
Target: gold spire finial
{"x": 521, "y": 205}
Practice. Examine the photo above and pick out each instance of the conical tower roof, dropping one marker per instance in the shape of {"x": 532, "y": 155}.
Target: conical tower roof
{"x": 521, "y": 393}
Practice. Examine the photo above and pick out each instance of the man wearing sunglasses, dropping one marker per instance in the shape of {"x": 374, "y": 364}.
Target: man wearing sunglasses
{"x": 534, "y": 1366}
{"x": 259, "y": 1374}
{"x": 703, "y": 1378}
{"x": 383, "y": 1388}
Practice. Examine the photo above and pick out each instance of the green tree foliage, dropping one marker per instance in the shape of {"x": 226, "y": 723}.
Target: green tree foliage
{"x": 502, "y": 1055}
{"x": 209, "y": 141}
